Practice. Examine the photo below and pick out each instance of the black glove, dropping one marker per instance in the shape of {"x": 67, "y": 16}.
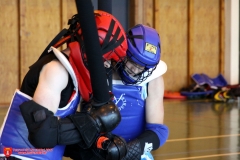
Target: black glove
{"x": 46, "y": 130}
{"x": 133, "y": 150}
{"x": 92, "y": 121}
{"x": 107, "y": 147}
{"x": 111, "y": 147}
{"x": 106, "y": 116}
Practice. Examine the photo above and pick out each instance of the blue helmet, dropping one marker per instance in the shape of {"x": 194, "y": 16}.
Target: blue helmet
{"x": 144, "y": 50}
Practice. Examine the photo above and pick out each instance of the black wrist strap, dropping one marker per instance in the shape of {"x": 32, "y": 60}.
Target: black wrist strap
{"x": 149, "y": 136}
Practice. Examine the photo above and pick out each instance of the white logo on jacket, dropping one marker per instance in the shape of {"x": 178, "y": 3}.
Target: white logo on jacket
{"x": 120, "y": 102}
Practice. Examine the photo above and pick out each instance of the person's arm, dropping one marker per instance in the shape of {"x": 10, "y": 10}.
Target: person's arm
{"x": 155, "y": 113}
{"x": 46, "y": 130}
{"x": 53, "y": 79}
{"x": 154, "y": 101}
{"x": 156, "y": 133}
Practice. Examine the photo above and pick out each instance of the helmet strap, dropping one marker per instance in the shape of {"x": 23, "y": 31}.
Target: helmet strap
{"x": 110, "y": 45}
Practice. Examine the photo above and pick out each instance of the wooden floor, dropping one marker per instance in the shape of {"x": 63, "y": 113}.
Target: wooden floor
{"x": 201, "y": 130}
{"x": 198, "y": 130}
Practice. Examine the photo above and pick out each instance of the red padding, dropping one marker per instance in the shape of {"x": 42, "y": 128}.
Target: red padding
{"x": 81, "y": 72}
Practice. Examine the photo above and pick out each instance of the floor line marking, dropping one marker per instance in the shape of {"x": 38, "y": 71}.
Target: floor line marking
{"x": 197, "y": 138}
{"x": 207, "y": 156}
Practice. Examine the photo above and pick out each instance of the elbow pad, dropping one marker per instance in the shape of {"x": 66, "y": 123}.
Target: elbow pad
{"x": 160, "y": 130}
{"x": 45, "y": 130}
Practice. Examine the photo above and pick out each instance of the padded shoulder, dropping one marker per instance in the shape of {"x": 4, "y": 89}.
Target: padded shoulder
{"x": 160, "y": 70}
{"x": 66, "y": 64}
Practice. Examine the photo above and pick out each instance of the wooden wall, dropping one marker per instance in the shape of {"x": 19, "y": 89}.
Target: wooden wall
{"x": 9, "y": 49}
{"x": 191, "y": 34}
{"x": 26, "y": 28}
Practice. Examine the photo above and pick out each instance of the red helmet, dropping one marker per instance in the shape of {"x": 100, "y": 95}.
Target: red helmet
{"x": 113, "y": 43}
{"x": 112, "y": 36}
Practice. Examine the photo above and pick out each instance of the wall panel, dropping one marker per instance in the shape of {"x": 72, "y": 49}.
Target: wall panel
{"x": 222, "y": 35}
{"x": 68, "y": 9}
{"x": 171, "y": 23}
{"x": 143, "y": 12}
{"x": 39, "y": 23}
{"x": 9, "y": 49}
{"x": 204, "y": 32}
{"x": 138, "y": 11}
{"x": 148, "y": 13}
